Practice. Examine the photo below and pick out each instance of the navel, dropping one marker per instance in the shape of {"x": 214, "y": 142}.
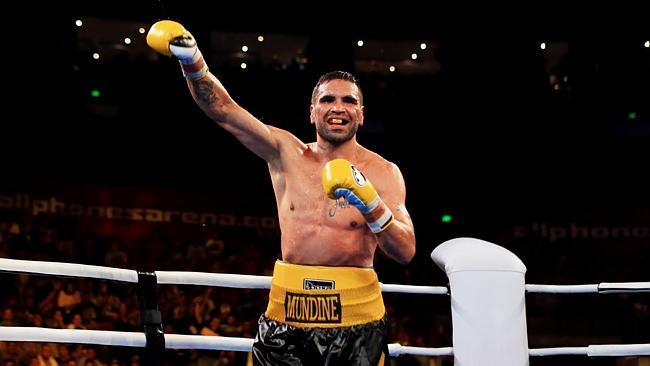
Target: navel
{"x": 291, "y": 207}
{"x": 353, "y": 224}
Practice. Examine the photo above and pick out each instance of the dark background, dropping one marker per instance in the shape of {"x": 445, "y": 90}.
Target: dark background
{"x": 487, "y": 125}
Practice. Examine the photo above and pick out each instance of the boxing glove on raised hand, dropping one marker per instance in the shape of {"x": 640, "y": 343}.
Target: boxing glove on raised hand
{"x": 170, "y": 38}
{"x": 342, "y": 179}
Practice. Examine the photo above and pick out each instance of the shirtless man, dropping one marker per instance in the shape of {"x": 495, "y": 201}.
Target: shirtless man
{"x": 325, "y": 304}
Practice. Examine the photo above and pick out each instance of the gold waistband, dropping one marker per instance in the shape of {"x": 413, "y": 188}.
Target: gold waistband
{"x": 326, "y": 297}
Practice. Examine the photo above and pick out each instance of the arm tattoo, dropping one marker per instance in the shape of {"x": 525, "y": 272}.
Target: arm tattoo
{"x": 204, "y": 91}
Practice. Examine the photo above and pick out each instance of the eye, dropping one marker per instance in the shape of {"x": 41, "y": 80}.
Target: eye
{"x": 350, "y": 100}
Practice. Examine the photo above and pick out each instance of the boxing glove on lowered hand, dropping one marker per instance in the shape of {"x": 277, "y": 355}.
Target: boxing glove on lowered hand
{"x": 342, "y": 179}
{"x": 172, "y": 39}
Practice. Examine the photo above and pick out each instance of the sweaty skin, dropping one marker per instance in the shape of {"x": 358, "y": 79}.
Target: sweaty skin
{"x": 315, "y": 229}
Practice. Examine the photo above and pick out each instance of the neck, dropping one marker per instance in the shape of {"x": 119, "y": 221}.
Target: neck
{"x": 347, "y": 150}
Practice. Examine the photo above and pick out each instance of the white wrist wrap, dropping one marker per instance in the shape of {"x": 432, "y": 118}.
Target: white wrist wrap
{"x": 382, "y": 222}
{"x": 192, "y": 62}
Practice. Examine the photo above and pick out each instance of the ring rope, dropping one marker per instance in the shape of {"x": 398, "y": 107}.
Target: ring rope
{"x": 595, "y": 350}
{"x": 172, "y": 341}
{"x": 180, "y": 341}
{"x": 264, "y": 282}
{"x": 213, "y": 279}
{"x": 396, "y": 349}
{"x": 562, "y": 289}
{"x": 68, "y": 269}
{"x": 601, "y": 288}
{"x": 174, "y": 277}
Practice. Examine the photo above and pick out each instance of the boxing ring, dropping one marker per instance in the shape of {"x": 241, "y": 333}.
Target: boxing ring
{"x": 486, "y": 286}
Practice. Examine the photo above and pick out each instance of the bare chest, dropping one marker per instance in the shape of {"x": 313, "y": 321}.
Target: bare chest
{"x": 305, "y": 202}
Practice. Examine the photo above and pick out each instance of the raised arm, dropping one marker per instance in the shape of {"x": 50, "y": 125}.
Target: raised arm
{"x": 172, "y": 39}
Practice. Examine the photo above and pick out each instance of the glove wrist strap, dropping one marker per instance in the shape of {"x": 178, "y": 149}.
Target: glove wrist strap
{"x": 379, "y": 218}
{"x": 381, "y": 223}
{"x": 195, "y": 71}
{"x": 194, "y": 67}
{"x": 372, "y": 205}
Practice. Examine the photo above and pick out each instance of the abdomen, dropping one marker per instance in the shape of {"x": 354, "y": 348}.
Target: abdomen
{"x": 303, "y": 243}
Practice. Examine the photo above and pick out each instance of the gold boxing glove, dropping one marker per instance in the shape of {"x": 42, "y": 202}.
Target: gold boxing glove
{"x": 171, "y": 38}
{"x": 342, "y": 179}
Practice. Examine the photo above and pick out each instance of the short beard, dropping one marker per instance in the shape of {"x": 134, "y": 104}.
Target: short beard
{"x": 336, "y": 138}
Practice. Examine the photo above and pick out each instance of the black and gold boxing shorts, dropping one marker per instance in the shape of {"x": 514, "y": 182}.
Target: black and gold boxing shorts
{"x": 319, "y": 315}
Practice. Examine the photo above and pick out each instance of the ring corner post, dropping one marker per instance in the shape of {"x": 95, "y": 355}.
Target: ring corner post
{"x": 488, "y": 305}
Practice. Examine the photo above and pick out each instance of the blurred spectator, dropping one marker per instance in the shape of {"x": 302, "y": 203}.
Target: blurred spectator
{"x": 77, "y": 322}
{"x": 69, "y": 297}
{"x": 116, "y": 257}
{"x": 46, "y": 358}
{"x": 211, "y": 328}
{"x": 57, "y": 320}
{"x": 7, "y": 317}
{"x": 10, "y": 351}
{"x": 64, "y": 355}
{"x": 89, "y": 358}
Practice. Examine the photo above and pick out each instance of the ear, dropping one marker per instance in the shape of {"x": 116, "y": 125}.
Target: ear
{"x": 312, "y": 118}
{"x": 362, "y": 116}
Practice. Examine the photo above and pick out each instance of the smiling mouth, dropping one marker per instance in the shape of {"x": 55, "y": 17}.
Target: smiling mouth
{"x": 337, "y": 121}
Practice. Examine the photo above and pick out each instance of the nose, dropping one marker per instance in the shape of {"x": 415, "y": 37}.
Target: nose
{"x": 337, "y": 107}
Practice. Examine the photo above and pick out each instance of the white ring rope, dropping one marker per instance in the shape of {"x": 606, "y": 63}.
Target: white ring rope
{"x": 602, "y": 288}
{"x": 595, "y": 350}
{"x": 562, "y": 289}
{"x": 620, "y": 287}
{"x": 411, "y": 289}
{"x": 172, "y": 341}
{"x": 181, "y": 341}
{"x": 264, "y": 282}
{"x": 103, "y": 337}
{"x": 213, "y": 279}
{"x": 396, "y": 349}
{"x": 557, "y": 351}
{"x": 68, "y": 269}
{"x": 177, "y": 341}
{"x": 174, "y": 277}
